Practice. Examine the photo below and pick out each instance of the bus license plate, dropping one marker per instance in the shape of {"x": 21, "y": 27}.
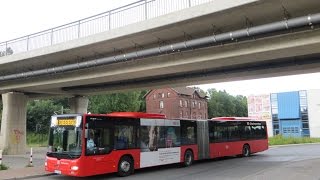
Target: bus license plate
{"x": 57, "y": 171}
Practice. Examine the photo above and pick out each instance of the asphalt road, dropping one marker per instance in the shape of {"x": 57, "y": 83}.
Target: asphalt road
{"x": 286, "y": 162}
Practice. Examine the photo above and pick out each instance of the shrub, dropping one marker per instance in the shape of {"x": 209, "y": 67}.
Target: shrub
{"x": 34, "y": 139}
{"x": 3, "y": 167}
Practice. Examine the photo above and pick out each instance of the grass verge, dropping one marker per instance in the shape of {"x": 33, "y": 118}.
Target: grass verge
{"x": 36, "y": 140}
{"x": 281, "y": 140}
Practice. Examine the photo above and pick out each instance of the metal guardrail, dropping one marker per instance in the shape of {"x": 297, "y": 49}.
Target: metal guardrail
{"x": 119, "y": 17}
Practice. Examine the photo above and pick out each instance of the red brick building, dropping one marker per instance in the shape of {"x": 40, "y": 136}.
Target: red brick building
{"x": 182, "y": 102}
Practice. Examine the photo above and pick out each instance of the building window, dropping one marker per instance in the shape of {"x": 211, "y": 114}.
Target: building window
{"x": 274, "y": 111}
{"x": 193, "y": 104}
{"x": 186, "y": 103}
{"x": 181, "y": 114}
{"x": 187, "y": 116}
{"x": 154, "y": 96}
{"x": 194, "y": 115}
{"x": 161, "y": 104}
{"x": 168, "y": 94}
{"x": 303, "y": 94}
{"x": 162, "y": 95}
{"x": 180, "y": 103}
{"x": 305, "y": 125}
{"x": 199, "y": 105}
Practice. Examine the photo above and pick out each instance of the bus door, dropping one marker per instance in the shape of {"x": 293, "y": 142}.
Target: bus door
{"x": 203, "y": 139}
{"x": 99, "y": 144}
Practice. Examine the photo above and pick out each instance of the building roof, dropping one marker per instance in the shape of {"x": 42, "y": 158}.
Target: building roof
{"x": 189, "y": 91}
{"x": 185, "y": 91}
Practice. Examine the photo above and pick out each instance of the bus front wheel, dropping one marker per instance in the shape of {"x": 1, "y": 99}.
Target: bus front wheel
{"x": 125, "y": 166}
{"x": 246, "y": 150}
{"x": 188, "y": 158}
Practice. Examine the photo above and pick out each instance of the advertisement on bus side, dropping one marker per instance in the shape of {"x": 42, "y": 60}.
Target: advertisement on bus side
{"x": 160, "y": 142}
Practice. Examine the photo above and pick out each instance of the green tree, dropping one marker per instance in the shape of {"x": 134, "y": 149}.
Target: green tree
{"x": 63, "y": 104}
{"x": 8, "y": 51}
{"x": 221, "y": 103}
{"x": 127, "y": 101}
{"x": 142, "y": 101}
{"x": 39, "y": 113}
{"x": 241, "y": 106}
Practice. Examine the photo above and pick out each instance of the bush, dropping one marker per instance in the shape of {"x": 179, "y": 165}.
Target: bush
{"x": 3, "y": 167}
{"x": 280, "y": 140}
{"x": 34, "y": 139}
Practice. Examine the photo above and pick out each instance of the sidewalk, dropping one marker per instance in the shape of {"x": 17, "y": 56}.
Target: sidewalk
{"x": 17, "y": 165}
{"x": 24, "y": 173}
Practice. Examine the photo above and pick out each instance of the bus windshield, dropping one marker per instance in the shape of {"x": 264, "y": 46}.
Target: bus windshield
{"x": 65, "y": 137}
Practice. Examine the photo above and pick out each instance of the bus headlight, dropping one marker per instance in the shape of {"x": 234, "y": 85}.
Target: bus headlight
{"x": 74, "y": 168}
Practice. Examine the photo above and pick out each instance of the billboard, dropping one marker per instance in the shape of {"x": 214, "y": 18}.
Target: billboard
{"x": 259, "y": 108}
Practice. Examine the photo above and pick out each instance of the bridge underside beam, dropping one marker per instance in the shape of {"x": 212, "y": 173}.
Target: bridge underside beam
{"x": 292, "y": 49}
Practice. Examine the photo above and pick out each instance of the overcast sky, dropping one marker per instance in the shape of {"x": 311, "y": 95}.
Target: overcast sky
{"x": 268, "y": 85}
{"x": 20, "y": 18}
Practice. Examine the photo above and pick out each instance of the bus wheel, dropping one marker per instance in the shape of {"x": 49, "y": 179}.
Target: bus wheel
{"x": 246, "y": 150}
{"x": 188, "y": 158}
{"x": 125, "y": 166}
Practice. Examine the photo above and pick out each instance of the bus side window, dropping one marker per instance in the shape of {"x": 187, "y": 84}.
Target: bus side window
{"x": 188, "y": 132}
{"x": 125, "y": 137}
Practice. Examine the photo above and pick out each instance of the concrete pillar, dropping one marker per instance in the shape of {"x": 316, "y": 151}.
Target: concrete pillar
{"x": 79, "y": 104}
{"x": 14, "y": 123}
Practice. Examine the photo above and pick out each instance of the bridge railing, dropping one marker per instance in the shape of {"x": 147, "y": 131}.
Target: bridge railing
{"x": 119, "y": 17}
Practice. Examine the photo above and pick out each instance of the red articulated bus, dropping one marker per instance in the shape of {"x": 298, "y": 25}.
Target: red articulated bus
{"x": 92, "y": 144}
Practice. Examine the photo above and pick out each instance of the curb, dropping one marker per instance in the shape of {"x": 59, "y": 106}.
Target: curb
{"x": 32, "y": 176}
{"x": 301, "y": 144}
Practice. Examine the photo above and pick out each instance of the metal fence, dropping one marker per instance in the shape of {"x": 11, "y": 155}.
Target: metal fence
{"x": 119, "y": 17}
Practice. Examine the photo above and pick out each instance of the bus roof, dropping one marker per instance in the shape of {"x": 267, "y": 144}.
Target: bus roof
{"x": 137, "y": 115}
{"x": 233, "y": 118}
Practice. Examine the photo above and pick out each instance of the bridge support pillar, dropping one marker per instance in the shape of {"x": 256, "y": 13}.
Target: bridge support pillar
{"x": 14, "y": 123}
{"x": 79, "y": 104}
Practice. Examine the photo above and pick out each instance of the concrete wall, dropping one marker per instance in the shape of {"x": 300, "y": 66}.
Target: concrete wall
{"x": 13, "y": 124}
{"x": 313, "y": 98}
{"x": 78, "y": 104}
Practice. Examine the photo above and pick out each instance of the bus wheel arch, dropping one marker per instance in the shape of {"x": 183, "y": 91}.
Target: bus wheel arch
{"x": 126, "y": 165}
{"x": 246, "y": 150}
{"x": 188, "y": 158}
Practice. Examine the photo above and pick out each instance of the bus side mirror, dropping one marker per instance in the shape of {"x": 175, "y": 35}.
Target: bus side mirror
{"x": 86, "y": 133}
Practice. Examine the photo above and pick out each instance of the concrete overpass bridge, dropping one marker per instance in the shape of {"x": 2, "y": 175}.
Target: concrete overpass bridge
{"x": 211, "y": 42}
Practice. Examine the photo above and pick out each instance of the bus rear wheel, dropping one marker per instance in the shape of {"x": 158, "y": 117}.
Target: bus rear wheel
{"x": 246, "y": 150}
{"x": 188, "y": 158}
{"x": 125, "y": 166}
